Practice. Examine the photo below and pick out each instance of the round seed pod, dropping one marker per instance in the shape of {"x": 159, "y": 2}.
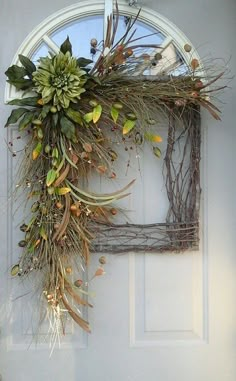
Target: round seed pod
{"x": 59, "y": 205}
{"x": 118, "y": 106}
{"x": 15, "y": 270}
{"x": 102, "y": 260}
{"x": 34, "y": 207}
{"x": 138, "y": 139}
{"x": 93, "y": 103}
{"x": 47, "y": 148}
{"x": 53, "y": 109}
{"x": 51, "y": 190}
{"x": 187, "y": 48}
{"x": 22, "y": 243}
{"x": 23, "y": 227}
{"x": 131, "y": 116}
{"x": 78, "y": 283}
{"x": 158, "y": 56}
{"x": 113, "y": 211}
{"x": 37, "y": 122}
{"x": 68, "y": 270}
{"x": 93, "y": 42}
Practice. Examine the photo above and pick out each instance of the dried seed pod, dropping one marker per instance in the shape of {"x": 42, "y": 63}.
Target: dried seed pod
{"x": 118, "y": 106}
{"x": 102, "y": 260}
{"x": 59, "y": 205}
{"x": 131, "y": 116}
{"x": 78, "y": 283}
{"x": 23, "y": 227}
{"x": 158, "y": 56}
{"x": 47, "y": 148}
{"x": 138, "y": 139}
{"x": 15, "y": 270}
{"x": 35, "y": 207}
{"x": 22, "y": 243}
{"x": 113, "y": 155}
{"x": 53, "y": 109}
{"x": 187, "y": 48}
{"x": 51, "y": 190}
{"x": 73, "y": 208}
{"x": 37, "y": 122}
{"x": 68, "y": 270}
{"x": 93, "y": 42}
{"x": 113, "y": 211}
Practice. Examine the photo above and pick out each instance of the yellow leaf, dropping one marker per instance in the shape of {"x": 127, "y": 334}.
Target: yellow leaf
{"x": 128, "y": 126}
{"x": 62, "y": 191}
{"x": 97, "y": 112}
{"x": 51, "y": 177}
{"x": 153, "y": 138}
{"x": 36, "y": 152}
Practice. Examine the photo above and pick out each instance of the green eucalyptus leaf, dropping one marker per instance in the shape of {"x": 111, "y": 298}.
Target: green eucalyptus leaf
{"x": 67, "y": 128}
{"x": 51, "y": 177}
{"x": 30, "y": 101}
{"x": 83, "y": 62}
{"x": 16, "y": 115}
{"x": 28, "y": 64}
{"x": 114, "y": 114}
{"x": 26, "y": 120}
{"x": 66, "y": 46}
{"x": 74, "y": 115}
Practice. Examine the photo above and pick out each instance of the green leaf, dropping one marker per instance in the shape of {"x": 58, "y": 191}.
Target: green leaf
{"x": 43, "y": 233}
{"x": 16, "y": 115}
{"x": 97, "y": 112}
{"x": 55, "y": 118}
{"x": 21, "y": 84}
{"x": 30, "y": 101}
{"x": 27, "y": 63}
{"x": 88, "y": 117}
{"x": 51, "y": 177}
{"x": 74, "y": 115}
{"x": 66, "y": 46}
{"x": 128, "y": 126}
{"x": 83, "y": 62}
{"x": 26, "y": 120}
{"x": 157, "y": 152}
{"x": 114, "y": 114}
{"x": 15, "y": 72}
{"x": 55, "y": 153}
{"x": 67, "y": 128}
{"x": 44, "y": 112}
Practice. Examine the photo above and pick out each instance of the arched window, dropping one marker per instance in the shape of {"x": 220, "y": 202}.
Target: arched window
{"x": 87, "y": 19}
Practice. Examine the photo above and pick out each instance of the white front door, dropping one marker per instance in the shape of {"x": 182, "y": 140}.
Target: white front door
{"x": 156, "y": 317}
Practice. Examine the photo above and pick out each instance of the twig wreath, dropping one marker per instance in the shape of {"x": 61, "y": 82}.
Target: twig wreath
{"x": 72, "y": 107}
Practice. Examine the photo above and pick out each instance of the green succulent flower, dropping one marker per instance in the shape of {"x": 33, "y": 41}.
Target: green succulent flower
{"x": 59, "y": 79}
